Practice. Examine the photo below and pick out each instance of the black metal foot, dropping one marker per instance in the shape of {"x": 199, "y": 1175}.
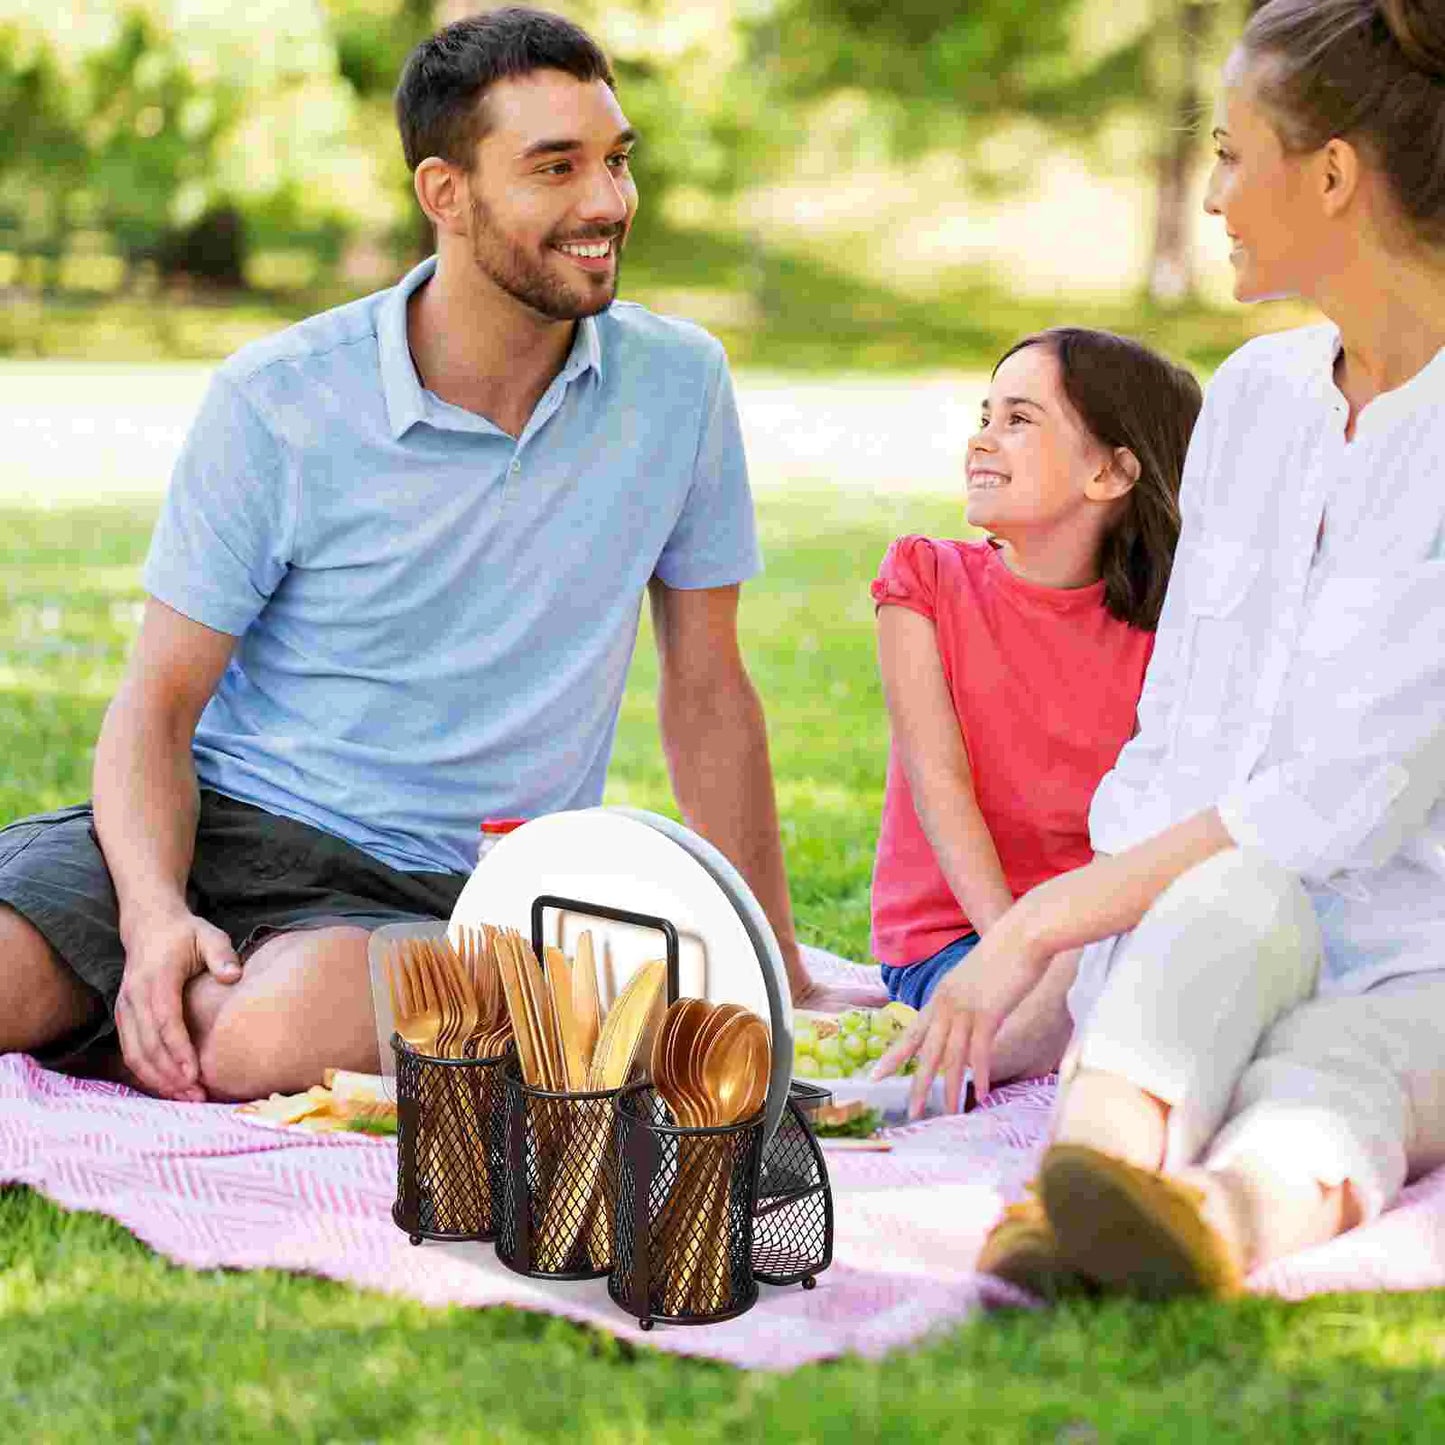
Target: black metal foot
{"x": 645, "y": 1324}
{"x": 415, "y": 1238}
{"x": 809, "y": 1282}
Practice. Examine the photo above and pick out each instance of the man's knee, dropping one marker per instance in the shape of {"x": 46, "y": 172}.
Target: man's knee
{"x": 303, "y": 1004}
{"x": 241, "y": 1057}
{"x": 41, "y": 1000}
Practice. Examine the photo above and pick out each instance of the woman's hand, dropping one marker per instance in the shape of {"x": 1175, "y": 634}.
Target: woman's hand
{"x": 1103, "y": 898}
{"x": 956, "y": 1030}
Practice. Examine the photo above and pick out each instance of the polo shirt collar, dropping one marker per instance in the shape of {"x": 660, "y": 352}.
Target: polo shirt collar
{"x": 406, "y": 400}
{"x": 401, "y": 386}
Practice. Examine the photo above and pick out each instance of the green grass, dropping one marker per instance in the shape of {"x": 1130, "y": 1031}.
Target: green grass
{"x": 102, "y": 1341}
{"x": 786, "y": 311}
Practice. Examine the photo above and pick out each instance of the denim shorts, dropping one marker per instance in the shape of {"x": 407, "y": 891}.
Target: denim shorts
{"x": 253, "y": 874}
{"x": 913, "y": 983}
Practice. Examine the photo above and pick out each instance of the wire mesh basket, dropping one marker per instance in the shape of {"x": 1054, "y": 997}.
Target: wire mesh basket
{"x": 793, "y": 1218}
{"x": 555, "y": 1180}
{"x": 684, "y": 1214}
{"x": 446, "y": 1112}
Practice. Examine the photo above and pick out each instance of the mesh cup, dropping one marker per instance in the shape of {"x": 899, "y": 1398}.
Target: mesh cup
{"x": 446, "y": 1111}
{"x": 554, "y": 1180}
{"x": 685, "y": 1201}
{"x": 793, "y": 1223}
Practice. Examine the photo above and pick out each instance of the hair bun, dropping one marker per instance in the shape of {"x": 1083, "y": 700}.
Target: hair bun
{"x": 1419, "y": 29}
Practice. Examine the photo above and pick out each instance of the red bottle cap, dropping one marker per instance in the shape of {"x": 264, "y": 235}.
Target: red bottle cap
{"x": 501, "y": 825}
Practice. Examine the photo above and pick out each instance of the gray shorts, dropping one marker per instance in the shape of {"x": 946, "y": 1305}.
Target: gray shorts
{"x": 253, "y": 874}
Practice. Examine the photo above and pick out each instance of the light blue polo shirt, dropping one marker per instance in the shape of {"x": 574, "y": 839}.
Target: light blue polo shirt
{"x": 435, "y": 618}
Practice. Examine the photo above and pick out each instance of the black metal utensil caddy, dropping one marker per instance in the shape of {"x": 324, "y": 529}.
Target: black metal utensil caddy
{"x": 446, "y": 1113}
{"x": 554, "y": 1195}
{"x": 684, "y": 1222}
{"x": 703, "y": 1215}
{"x": 557, "y": 1178}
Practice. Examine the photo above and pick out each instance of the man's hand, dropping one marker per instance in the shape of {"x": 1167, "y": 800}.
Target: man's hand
{"x": 164, "y": 954}
{"x": 956, "y": 1030}
{"x": 806, "y": 991}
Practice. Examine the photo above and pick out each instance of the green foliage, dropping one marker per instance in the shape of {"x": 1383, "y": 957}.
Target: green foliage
{"x": 159, "y": 126}
{"x": 152, "y": 130}
{"x": 942, "y": 71}
{"x": 41, "y": 141}
{"x": 980, "y": 58}
{"x": 373, "y": 39}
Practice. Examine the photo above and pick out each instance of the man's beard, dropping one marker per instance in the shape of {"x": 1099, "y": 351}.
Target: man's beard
{"x": 525, "y": 277}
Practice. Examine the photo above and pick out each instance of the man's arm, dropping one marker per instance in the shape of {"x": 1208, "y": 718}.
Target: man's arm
{"x": 715, "y": 740}
{"x": 146, "y": 806}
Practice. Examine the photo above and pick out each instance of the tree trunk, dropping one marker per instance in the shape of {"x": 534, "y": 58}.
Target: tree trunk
{"x": 1182, "y": 34}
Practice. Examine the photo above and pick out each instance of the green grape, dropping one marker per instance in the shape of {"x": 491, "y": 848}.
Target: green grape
{"x": 805, "y": 1066}
{"x": 877, "y": 1046}
{"x": 830, "y": 1071}
{"x": 828, "y": 1050}
{"x": 855, "y": 1021}
{"x": 894, "y": 1018}
{"x": 804, "y": 1037}
{"x": 855, "y": 1047}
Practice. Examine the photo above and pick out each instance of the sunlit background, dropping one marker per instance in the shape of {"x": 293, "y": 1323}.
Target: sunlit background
{"x": 829, "y": 185}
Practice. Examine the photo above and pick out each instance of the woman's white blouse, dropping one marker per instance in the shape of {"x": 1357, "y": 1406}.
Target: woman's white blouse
{"x": 1301, "y": 690}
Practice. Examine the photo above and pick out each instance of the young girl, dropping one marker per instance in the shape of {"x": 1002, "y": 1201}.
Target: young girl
{"x": 1011, "y": 666}
{"x": 1259, "y": 1062}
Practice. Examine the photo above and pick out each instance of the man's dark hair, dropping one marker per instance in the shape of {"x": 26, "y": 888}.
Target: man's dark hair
{"x": 445, "y": 79}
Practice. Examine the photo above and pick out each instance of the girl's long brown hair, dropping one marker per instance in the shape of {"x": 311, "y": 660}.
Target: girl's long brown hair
{"x": 1129, "y": 396}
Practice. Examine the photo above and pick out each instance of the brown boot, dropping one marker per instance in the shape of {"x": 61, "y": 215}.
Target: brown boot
{"x": 1133, "y": 1230}
{"x": 1021, "y": 1248}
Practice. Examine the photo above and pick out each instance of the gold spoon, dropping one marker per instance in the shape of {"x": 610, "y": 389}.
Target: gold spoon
{"x": 712, "y": 1024}
{"x": 688, "y": 1107}
{"x": 735, "y": 1074}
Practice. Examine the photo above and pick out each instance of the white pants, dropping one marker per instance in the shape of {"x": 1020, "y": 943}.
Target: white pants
{"x": 1210, "y": 1005}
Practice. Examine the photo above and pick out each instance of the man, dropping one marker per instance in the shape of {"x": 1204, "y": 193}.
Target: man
{"x": 393, "y": 590}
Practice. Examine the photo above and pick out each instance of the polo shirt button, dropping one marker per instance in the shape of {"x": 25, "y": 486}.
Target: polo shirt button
{"x": 516, "y": 466}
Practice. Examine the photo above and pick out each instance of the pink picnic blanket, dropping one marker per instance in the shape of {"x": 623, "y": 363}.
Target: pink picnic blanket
{"x": 205, "y": 1188}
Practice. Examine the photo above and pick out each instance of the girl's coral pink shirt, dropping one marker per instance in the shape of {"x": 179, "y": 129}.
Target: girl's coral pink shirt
{"x": 1044, "y": 683}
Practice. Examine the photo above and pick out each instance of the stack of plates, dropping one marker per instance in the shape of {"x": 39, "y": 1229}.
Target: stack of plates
{"x": 643, "y": 863}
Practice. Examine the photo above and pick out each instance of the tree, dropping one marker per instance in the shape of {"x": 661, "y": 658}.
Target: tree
{"x": 948, "y": 74}
{"x": 1179, "y": 38}
{"x": 182, "y": 133}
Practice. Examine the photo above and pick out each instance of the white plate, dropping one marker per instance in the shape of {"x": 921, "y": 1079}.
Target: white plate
{"x": 597, "y": 855}
{"x": 888, "y": 1096}
{"x": 765, "y": 943}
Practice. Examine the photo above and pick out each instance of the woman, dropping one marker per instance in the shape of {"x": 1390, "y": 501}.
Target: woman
{"x": 1260, "y": 1061}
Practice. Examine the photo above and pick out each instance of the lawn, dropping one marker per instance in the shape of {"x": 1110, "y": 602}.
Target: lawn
{"x": 102, "y": 1341}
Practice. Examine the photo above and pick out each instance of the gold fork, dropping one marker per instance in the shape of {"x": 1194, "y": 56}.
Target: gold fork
{"x": 493, "y": 1031}
{"x": 435, "y": 967}
{"x": 416, "y": 1010}
{"x": 457, "y": 986}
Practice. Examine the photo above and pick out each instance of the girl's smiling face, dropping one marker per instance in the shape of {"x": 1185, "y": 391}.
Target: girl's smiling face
{"x": 1032, "y": 464}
